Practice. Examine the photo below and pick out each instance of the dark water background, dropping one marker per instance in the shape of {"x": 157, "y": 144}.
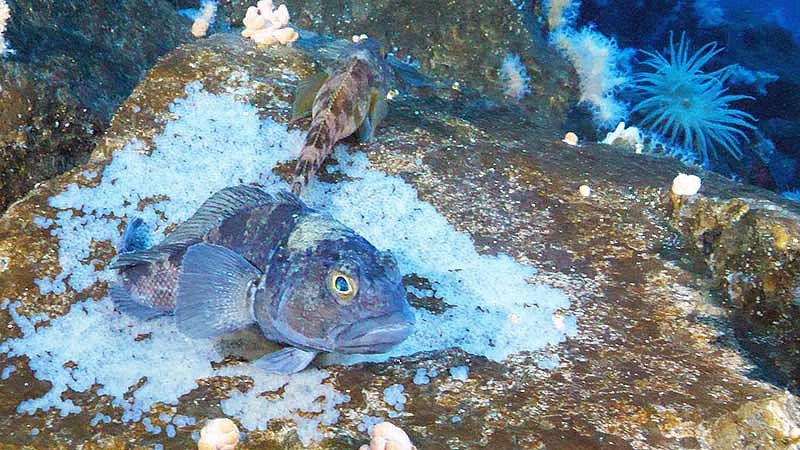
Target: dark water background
{"x": 760, "y": 36}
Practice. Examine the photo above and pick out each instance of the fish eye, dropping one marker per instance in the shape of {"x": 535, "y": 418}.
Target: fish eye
{"x": 343, "y": 286}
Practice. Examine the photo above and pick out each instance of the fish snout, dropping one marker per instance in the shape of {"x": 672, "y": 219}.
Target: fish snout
{"x": 377, "y": 334}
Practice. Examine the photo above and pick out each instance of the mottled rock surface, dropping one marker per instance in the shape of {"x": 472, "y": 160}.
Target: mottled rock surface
{"x": 461, "y": 41}
{"x": 74, "y": 62}
{"x": 656, "y": 362}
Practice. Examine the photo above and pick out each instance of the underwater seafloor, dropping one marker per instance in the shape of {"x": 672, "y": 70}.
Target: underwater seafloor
{"x": 548, "y": 316}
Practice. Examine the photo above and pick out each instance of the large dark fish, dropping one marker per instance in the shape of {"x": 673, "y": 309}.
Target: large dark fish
{"x": 349, "y": 99}
{"x": 247, "y": 257}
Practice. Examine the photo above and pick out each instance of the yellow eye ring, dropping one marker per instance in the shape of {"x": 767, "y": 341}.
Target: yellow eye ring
{"x": 343, "y": 286}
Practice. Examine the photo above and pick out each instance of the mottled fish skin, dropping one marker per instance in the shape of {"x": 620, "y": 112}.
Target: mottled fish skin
{"x": 341, "y": 105}
{"x": 252, "y": 232}
{"x": 248, "y": 257}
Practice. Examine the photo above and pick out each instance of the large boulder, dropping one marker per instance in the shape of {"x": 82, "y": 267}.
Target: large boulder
{"x": 73, "y": 63}
{"x": 619, "y": 340}
{"x": 464, "y": 42}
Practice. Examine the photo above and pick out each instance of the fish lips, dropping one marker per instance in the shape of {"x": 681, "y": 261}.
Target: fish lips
{"x": 376, "y": 334}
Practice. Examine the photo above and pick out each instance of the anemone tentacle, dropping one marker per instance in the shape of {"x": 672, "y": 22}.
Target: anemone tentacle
{"x": 687, "y": 106}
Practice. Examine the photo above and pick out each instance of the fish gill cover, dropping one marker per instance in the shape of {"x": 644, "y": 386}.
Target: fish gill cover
{"x": 216, "y": 141}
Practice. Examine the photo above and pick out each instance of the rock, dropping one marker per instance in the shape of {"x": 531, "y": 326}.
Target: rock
{"x": 750, "y": 246}
{"x": 74, "y": 62}
{"x": 656, "y": 361}
{"x": 775, "y": 422}
{"x": 464, "y": 42}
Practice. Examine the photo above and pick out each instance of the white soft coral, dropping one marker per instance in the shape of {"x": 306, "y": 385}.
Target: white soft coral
{"x": 268, "y": 26}
{"x": 204, "y": 19}
{"x": 602, "y": 69}
{"x": 5, "y": 14}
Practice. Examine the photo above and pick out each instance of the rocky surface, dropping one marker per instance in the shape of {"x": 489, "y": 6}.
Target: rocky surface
{"x": 657, "y": 362}
{"x": 750, "y": 249}
{"x": 462, "y": 42}
{"x": 74, "y": 62}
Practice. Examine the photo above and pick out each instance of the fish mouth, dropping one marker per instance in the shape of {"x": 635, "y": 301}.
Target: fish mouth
{"x": 376, "y": 334}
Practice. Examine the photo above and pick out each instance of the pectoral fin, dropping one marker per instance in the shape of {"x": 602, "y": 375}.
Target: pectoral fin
{"x": 213, "y": 291}
{"x": 375, "y": 113}
{"x": 379, "y": 109}
{"x": 286, "y": 361}
{"x": 305, "y": 94}
{"x": 365, "y": 131}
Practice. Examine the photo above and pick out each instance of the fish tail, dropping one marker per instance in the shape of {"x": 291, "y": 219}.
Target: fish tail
{"x": 318, "y": 145}
{"x": 136, "y": 290}
{"x": 135, "y": 238}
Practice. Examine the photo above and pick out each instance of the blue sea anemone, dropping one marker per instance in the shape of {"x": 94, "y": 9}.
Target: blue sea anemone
{"x": 687, "y": 106}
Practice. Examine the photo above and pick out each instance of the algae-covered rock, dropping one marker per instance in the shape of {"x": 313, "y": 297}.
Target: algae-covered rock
{"x": 617, "y": 342}
{"x": 73, "y": 63}
{"x": 464, "y": 42}
{"x": 751, "y": 247}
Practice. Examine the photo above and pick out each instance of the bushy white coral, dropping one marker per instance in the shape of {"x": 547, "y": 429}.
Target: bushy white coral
{"x": 602, "y": 68}
{"x": 204, "y": 19}
{"x": 267, "y": 25}
{"x": 5, "y": 14}
{"x": 514, "y": 77}
{"x": 560, "y": 12}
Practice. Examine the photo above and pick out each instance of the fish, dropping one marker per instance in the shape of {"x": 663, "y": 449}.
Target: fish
{"x": 248, "y": 257}
{"x": 350, "y": 98}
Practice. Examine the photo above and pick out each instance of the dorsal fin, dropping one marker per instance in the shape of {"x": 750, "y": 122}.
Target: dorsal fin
{"x": 290, "y": 198}
{"x": 222, "y": 205}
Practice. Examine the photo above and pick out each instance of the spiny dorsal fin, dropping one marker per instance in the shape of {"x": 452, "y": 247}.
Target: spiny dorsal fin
{"x": 305, "y": 94}
{"x": 290, "y": 198}
{"x": 222, "y": 205}
{"x": 213, "y": 291}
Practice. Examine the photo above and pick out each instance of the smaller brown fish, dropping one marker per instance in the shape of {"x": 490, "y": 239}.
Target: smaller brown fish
{"x": 350, "y": 99}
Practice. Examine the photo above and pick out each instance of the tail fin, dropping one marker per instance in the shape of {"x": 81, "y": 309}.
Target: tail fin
{"x": 319, "y": 144}
{"x": 135, "y": 238}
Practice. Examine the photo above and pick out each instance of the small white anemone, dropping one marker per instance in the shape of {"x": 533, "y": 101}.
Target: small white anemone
{"x": 204, "y": 20}
{"x": 218, "y": 434}
{"x": 684, "y": 184}
{"x": 385, "y": 436}
{"x": 570, "y": 138}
